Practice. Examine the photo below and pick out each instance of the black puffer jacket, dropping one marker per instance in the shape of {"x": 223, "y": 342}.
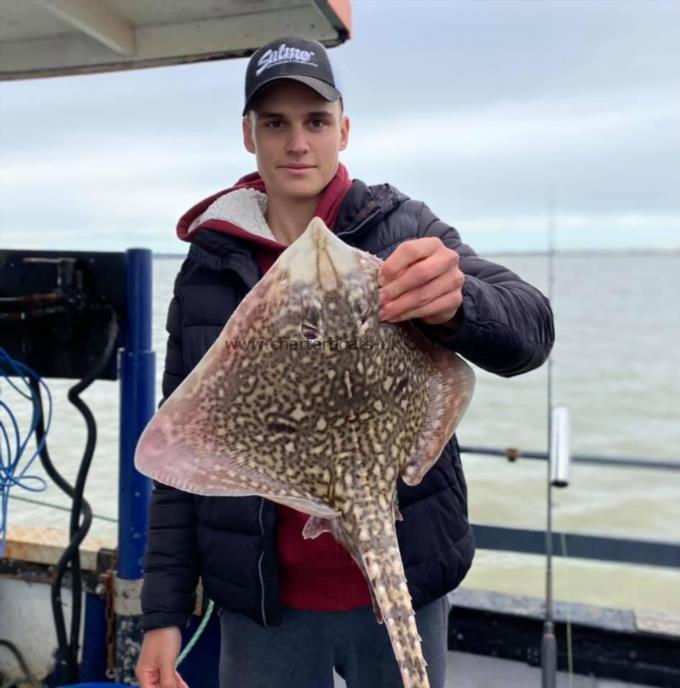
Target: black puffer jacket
{"x": 230, "y": 542}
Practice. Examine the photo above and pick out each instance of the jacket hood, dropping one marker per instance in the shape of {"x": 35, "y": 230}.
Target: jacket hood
{"x": 220, "y": 244}
{"x": 241, "y": 210}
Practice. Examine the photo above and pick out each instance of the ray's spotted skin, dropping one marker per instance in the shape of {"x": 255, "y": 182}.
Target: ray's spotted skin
{"x": 307, "y": 399}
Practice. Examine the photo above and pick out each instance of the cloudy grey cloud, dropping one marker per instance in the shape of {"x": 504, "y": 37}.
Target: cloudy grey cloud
{"x": 478, "y": 108}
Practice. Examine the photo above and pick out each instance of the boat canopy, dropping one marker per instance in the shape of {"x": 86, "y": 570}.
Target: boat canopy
{"x": 42, "y": 38}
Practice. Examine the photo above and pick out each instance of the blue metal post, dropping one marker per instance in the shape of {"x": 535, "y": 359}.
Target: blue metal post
{"x": 93, "y": 662}
{"x": 137, "y": 401}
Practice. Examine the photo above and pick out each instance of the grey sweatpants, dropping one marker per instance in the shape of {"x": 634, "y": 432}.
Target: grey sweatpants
{"x": 302, "y": 652}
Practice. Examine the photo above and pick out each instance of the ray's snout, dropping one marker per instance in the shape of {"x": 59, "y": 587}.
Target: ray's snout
{"x": 319, "y": 257}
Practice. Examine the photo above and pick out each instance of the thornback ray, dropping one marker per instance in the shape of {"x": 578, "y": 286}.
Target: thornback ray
{"x": 307, "y": 399}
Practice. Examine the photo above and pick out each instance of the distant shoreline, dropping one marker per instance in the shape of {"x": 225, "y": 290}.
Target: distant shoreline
{"x": 592, "y": 252}
{"x": 517, "y": 254}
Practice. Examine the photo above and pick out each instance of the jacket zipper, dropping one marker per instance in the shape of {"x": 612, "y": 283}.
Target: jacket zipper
{"x": 259, "y": 564}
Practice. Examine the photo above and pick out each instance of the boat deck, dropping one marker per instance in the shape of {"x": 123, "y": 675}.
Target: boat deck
{"x": 35, "y": 550}
{"x": 475, "y": 671}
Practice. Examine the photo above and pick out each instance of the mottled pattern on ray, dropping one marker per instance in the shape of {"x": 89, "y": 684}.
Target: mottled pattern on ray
{"x": 307, "y": 399}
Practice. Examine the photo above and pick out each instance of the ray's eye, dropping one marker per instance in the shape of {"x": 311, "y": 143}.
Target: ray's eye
{"x": 309, "y": 332}
{"x": 362, "y": 309}
{"x": 310, "y": 328}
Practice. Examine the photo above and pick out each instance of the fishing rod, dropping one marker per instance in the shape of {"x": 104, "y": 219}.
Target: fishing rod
{"x": 558, "y": 476}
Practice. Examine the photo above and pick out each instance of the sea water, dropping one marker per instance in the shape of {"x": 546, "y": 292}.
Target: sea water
{"x": 616, "y": 366}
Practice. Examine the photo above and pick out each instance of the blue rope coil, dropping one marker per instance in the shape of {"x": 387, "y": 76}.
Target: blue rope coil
{"x": 14, "y": 466}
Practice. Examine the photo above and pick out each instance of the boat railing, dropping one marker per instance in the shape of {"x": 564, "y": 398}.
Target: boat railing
{"x": 603, "y": 548}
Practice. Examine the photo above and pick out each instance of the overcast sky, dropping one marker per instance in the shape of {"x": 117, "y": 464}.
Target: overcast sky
{"x": 477, "y": 108}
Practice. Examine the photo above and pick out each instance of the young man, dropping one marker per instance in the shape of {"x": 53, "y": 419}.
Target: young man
{"x": 292, "y": 609}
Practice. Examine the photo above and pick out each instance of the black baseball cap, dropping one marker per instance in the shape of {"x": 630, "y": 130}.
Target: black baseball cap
{"x": 290, "y": 57}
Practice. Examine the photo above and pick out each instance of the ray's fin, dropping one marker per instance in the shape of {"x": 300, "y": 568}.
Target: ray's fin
{"x": 449, "y": 392}
{"x": 315, "y": 526}
{"x": 395, "y": 508}
{"x": 163, "y": 455}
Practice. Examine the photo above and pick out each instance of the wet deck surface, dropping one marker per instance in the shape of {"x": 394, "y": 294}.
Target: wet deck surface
{"x": 472, "y": 671}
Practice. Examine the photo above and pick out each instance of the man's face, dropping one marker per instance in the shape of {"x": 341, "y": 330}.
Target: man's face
{"x": 296, "y": 137}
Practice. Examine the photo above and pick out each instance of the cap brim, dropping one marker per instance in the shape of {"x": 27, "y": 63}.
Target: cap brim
{"x": 325, "y": 90}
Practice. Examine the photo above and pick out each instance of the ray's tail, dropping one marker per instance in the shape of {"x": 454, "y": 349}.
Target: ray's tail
{"x": 387, "y": 580}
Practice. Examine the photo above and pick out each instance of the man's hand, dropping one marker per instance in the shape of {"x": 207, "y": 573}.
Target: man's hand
{"x": 421, "y": 279}
{"x": 156, "y": 664}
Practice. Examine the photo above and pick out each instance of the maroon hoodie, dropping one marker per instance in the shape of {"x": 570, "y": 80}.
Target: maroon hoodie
{"x": 316, "y": 574}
